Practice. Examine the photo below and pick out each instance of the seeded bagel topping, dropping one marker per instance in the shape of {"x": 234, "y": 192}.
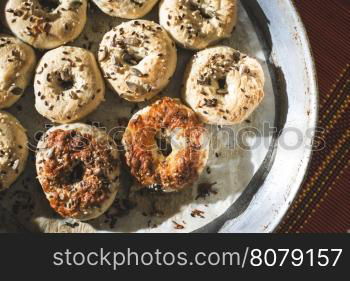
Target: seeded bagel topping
{"x": 129, "y": 9}
{"x": 223, "y": 85}
{"x": 75, "y": 174}
{"x": 17, "y": 61}
{"x": 68, "y": 84}
{"x": 152, "y": 158}
{"x": 41, "y": 22}
{"x": 13, "y": 149}
{"x": 196, "y": 24}
{"x": 138, "y": 59}
{"x": 46, "y": 24}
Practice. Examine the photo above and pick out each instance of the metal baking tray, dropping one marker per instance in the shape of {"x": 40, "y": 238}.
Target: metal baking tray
{"x": 252, "y": 187}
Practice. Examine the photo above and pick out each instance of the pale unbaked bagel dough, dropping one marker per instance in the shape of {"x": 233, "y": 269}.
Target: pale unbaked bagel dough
{"x": 138, "y": 59}
{"x": 196, "y": 24}
{"x": 78, "y": 168}
{"x": 68, "y": 84}
{"x": 17, "y": 63}
{"x": 223, "y": 86}
{"x": 13, "y": 149}
{"x": 46, "y": 24}
{"x": 127, "y": 9}
{"x": 166, "y": 145}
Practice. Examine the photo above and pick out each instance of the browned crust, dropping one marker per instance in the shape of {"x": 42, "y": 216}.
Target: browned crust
{"x": 93, "y": 190}
{"x": 140, "y": 134}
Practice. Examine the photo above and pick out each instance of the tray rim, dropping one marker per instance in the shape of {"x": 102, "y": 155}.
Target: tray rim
{"x": 313, "y": 74}
{"x": 313, "y": 120}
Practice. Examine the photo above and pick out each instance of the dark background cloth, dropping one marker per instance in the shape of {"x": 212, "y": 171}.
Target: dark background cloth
{"x": 323, "y": 203}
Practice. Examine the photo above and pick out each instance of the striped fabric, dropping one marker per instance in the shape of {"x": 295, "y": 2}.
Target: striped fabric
{"x": 323, "y": 204}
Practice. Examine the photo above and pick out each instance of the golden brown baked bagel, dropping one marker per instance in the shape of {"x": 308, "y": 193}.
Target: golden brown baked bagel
{"x": 78, "y": 169}
{"x": 166, "y": 145}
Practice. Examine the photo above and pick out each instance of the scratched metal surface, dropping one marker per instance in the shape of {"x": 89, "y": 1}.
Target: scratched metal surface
{"x": 250, "y": 195}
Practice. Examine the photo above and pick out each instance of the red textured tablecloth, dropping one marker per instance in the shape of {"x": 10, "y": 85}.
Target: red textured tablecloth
{"x": 323, "y": 204}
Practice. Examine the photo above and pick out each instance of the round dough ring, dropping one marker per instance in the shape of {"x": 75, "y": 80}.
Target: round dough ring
{"x": 196, "y": 24}
{"x": 148, "y": 138}
{"x": 223, "y": 86}
{"x": 138, "y": 59}
{"x": 13, "y": 149}
{"x": 78, "y": 169}
{"x": 68, "y": 84}
{"x": 17, "y": 63}
{"x": 46, "y": 24}
{"x": 127, "y": 9}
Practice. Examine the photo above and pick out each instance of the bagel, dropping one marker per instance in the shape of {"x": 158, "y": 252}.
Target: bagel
{"x": 138, "y": 59}
{"x": 78, "y": 168}
{"x": 127, "y": 9}
{"x": 68, "y": 84}
{"x": 223, "y": 86}
{"x": 17, "y": 63}
{"x": 166, "y": 146}
{"x": 196, "y": 24}
{"x": 46, "y": 24}
{"x": 13, "y": 149}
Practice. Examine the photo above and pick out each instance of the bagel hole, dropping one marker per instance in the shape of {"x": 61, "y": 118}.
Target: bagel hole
{"x": 206, "y": 14}
{"x": 65, "y": 79}
{"x": 76, "y": 174}
{"x": 49, "y": 5}
{"x": 66, "y": 84}
{"x": 222, "y": 84}
{"x": 131, "y": 59}
{"x": 222, "y": 87}
{"x": 164, "y": 144}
